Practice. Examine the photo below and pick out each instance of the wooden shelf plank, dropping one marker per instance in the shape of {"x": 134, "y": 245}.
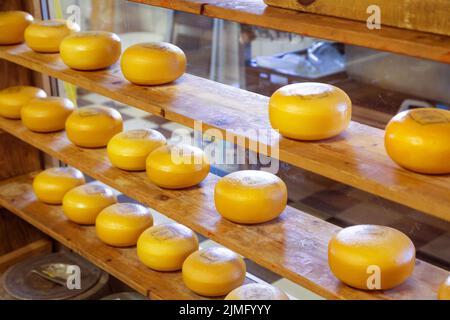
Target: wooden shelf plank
{"x": 256, "y": 12}
{"x": 356, "y": 158}
{"x": 294, "y": 245}
{"x": 17, "y": 195}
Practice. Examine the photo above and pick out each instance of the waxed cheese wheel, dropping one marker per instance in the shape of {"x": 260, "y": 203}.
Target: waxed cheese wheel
{"x": 371, "y": 257}
{"x": 46, "y": 36}
{"x": 91, "y": 50}
{"x": 46, "y": 114}
{"x": 419, "y": 140}
{"x": 12, "y": 99}
{"x": 310, "y": 111}
{"x": 177, "y": 167}
{"x": 444, "y": 290}
{"x": 93, "y": 127}
{"x": 165, "y": 247}
{"x": 120, "y": 225}
{"x": 250, "y": 196}
{"x": 129, "y": 150}
{"x": 83, "y": 204}
{"x": 13, "y": 25}
{"x": 213, "y": 272}
{"x": 257, "y": 291}
{"x": 153, "y": 63}
{"x": 50, "y": 186}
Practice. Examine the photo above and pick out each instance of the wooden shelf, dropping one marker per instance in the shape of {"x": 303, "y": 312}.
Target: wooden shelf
{"x": 356, "y": 158}
{"x": 17, "y": 196}
{"x": 257, "y": 13}
{"x": 294, "y": 245}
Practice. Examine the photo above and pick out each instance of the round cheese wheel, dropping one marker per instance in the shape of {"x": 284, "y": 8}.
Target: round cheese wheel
{"x": 51, "y": 185}
{"x": 93, "y": 127}
{"x": 153, "y": 63}
{"x": 371, "y": 257}
{"x": 419, "y": 140}
{"x": 83, "y": 204}
{"x": 165, "y": 247}
{"x": 12, "y": 99}
{"x": 444, "y": 290}
{"x": 46, "y": 36}
{"x": 46, "y": 114}
{"x": 213, "y": 272}
{"x": 310, "y": 111}
{"x": 257, "y": 291}
{"x": 120, "y": 225}
{"x": 129, "y": 150}
{"x": 91, "y": 50}
{"x": 177, "y": 167}
{"x": 250, "y": 196}
{"x": 13, "y": 25}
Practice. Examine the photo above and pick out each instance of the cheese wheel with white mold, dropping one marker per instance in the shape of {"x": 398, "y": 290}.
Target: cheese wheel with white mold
{"x": 177, "y": 166}
{"x": 257, "y": 291}
{"x": 50, "y": 186}
{"x": 213, "y": 272}
{"x": 250, "y": 196}
{"x": 94, "y": 126}
{"x": 129, "y": 150}
{"x": 153, "y": 63}
{"x": 13, "y": 25}
{"x": 46, "y": 114}
{"x": 120, "y": 225}
{"x": 310, "y": 111}
{"x": 46, "y": 36}
{"x": 371, "y": 257}
{"x": 165, "y": 247}
{"x": 419, "y": 140}
{"x": 12, "y": 99}
{"x": 90, "y": 50}
{"x": 83, "y": 204}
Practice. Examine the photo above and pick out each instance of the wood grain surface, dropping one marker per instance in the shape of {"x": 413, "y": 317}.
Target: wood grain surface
{"x": 294, "y": 245}
{"x": 17, "y": 195}
{"x": 356, "y": 158}
{"x": 257, "y": 13}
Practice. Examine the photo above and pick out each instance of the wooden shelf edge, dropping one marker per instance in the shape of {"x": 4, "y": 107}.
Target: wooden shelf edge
{"x": 17, "y": 196}
{"x": 356, "y": 157}
{"x": 256, "y": 12}
{"x": 295, "y": 245}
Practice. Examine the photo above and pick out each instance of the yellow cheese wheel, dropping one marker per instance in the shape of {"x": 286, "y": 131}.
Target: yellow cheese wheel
{"x": 419, "y": 140}
{"x": 444, "y": 290}
{"x": 46, "y": 36}
{"x": 257, "y": 291}
{"x": 129, "y": 150}
{"x": 250, "y": 196}
{"x": 120, "y": 225}
{"x": 213, "y": 272}
{"x": 13, "y": 25}
{"x": 83, "y": 204}
{"x": 46, "y": 114}
{"x": 93, "y": 127}
{"x": 12, "y": 99}
{"x": 177, "y": 167}
{"x": 153, "y": 63}
{"x": 51, "y": 185}
{"x": 91, "y": 50}
{"x": 371, "y": 257}
{"x": 310, "y": 111}
{"x": 165, "y": 247}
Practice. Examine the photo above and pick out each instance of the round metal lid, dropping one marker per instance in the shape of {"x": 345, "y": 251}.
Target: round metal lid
{"x": 45, "y": 277}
